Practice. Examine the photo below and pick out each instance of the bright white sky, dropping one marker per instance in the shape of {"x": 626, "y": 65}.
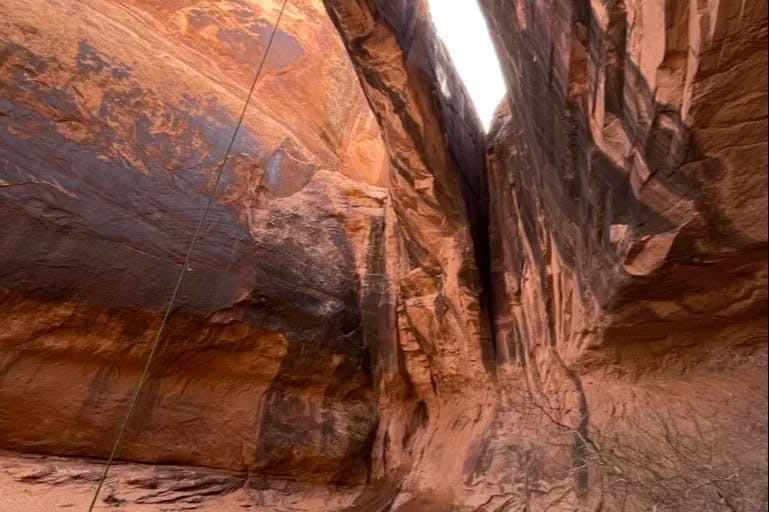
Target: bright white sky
{"x": 463, "y": 29}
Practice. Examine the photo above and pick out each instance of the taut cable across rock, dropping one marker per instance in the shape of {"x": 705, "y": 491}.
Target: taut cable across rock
{"x": 183, "y": 270}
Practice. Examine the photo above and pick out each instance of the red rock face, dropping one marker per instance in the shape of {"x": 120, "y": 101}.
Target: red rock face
{"x": 629, "y": 258}
{"x": 115, "y": 118}
{"x": 437, "y": 392}
{"x": 568, "y": 314}
{"x": 628, "y": 274}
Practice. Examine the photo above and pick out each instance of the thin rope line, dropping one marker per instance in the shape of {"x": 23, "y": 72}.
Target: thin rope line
{"x": 182, "y": 272}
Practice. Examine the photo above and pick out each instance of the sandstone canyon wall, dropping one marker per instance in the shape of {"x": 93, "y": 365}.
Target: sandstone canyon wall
{"x": 438, "y": 195}
{"x": 388, "y": 310}
{"x": 628, "y": 174}
{"x": 115, "y": 116}
{"x": 627, "y": 183}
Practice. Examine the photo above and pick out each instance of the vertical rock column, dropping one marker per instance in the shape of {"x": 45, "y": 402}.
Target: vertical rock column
{"x": 435, "y": 389}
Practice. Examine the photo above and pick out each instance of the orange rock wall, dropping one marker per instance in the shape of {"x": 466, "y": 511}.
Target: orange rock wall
{"x": 115, "y": 116}
{"x": 566, "y": 314}
{"x": 627, "y": 222}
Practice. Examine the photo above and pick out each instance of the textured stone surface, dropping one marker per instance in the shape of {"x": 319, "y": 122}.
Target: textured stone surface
{"x": 628, "y": 202}
{"x": 54, "y": 483}
{"x": 436, "y": 388}
{"x": 569, "y": 314}
{"x": 627, "y": 186}
{"x": 114, "y": 117}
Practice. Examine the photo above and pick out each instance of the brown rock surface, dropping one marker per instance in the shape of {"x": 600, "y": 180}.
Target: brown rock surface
{"x": 34, "y": 482}
{"x": 114, "y": 118}
{"x": 628, "y": 176}
{"x": 568, "y": 314}
{"x": 436, "y": 394}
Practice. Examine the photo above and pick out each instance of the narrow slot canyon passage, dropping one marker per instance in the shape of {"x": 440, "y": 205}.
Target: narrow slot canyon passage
{"x": 460, "y": 25}
{"x": 492, "y": 256}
